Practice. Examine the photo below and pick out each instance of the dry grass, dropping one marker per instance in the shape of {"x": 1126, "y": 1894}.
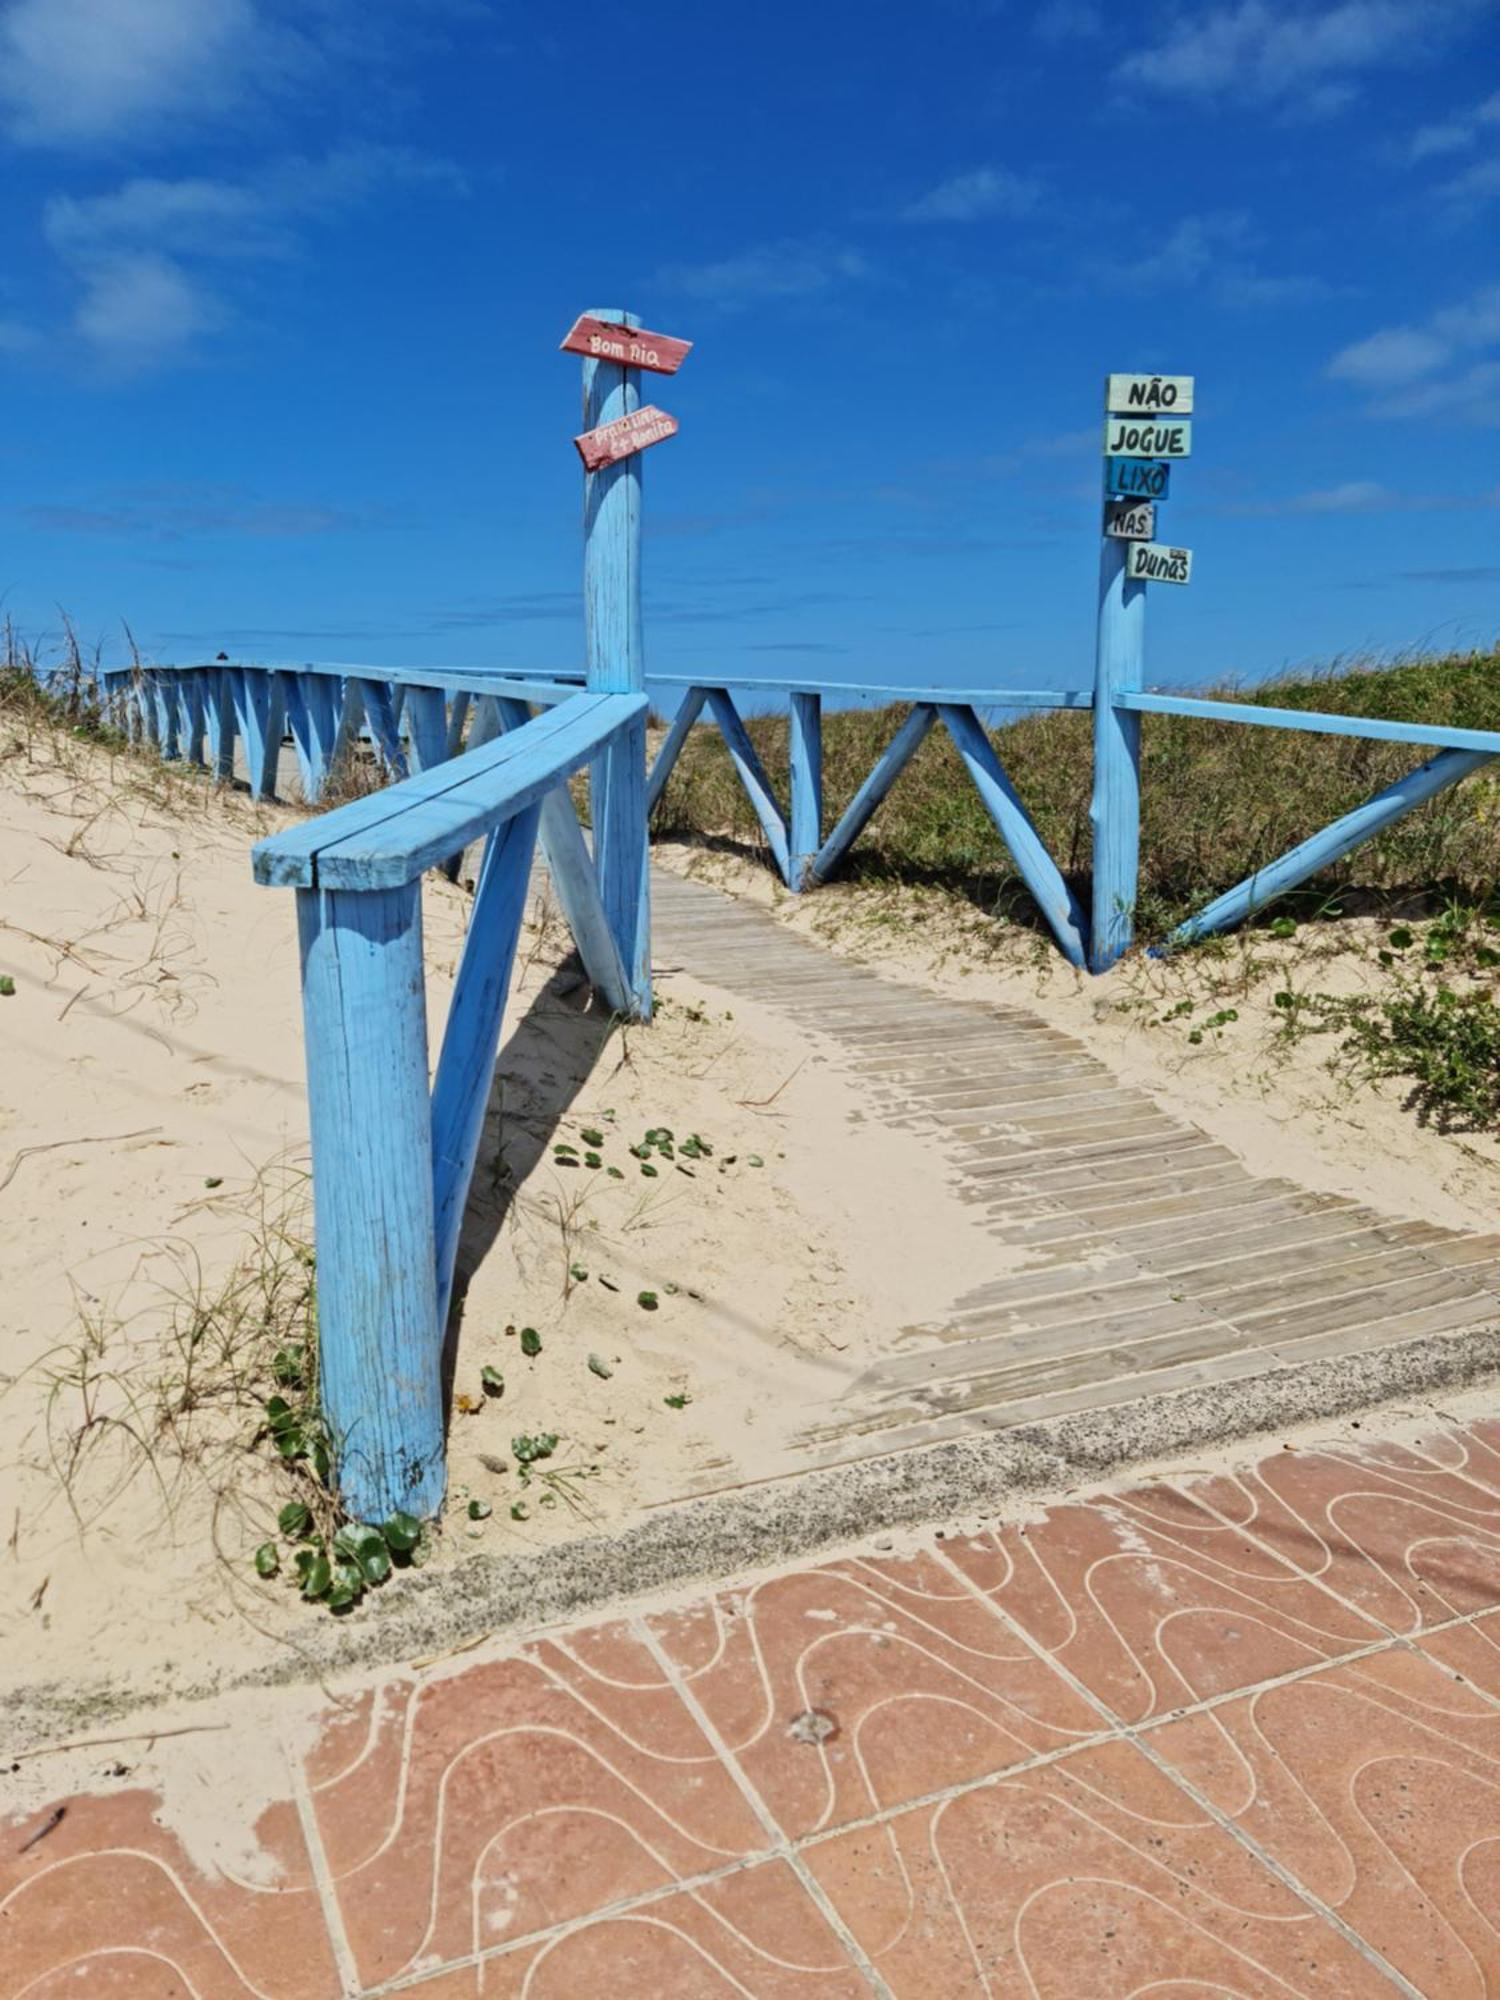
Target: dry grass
{"x": 1220, "y": 800}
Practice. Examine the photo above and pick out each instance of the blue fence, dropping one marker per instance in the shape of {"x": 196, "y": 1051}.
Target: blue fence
{"x": 487, "y": 754}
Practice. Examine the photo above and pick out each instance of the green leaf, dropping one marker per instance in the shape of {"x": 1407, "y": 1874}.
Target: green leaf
{"x": 303, "y": 1561}
{"x": 7, "y": 986}
{"x": 318, "y": 1577}
{"x": 375, "y": 1560}
{"x": 679, "y": 1402}
{"x": 1282, "y": 1000}
{"x": 491, "y": 1380}
{"x": 592, "y": 1160}
{"x": 1401, "y": 937}
{"x": 213, "y": 1181}
{"x": 578, "y": 1274}
{"x": 754, "y": 1160}
{"x": 294, "y": 1519}
{"x": 528, "y": 1450}
{"x": 322, "y": 1464}
{"x": 402, "y": 1533}
{"x": 615, "y": 1173}
{"x": 519, "y": 1511}
{"x": 290, "y": 1442}
{"x": 648, "y": 1171}
{"x": 279, "y": 1413}
{"x": 531, "y": 1342}
{"x": 267, "y": 1561}
{"x": 480, "y": 1510}
{"x": 647, "y": 1300}
{"x": 1284, "y": 927}
{"x": 346, "y": 1588}
{"x": 289, "y": 1365}
{"x": 590, "y": 1137}
{"x": 600, "y": 1367}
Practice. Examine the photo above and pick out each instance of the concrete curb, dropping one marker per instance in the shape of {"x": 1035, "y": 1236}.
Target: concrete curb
{"x": 712, "y": 1540}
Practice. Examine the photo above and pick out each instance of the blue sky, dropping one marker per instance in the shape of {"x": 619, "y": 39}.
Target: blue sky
{"x": 282, "y": 281}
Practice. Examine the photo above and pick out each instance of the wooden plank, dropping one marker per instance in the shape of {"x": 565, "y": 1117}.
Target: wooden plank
{"x": 609, "y": 443}
{"x": 805, "y": 762}
{"x": 1147, "y": 437}
{"x": 571, "y": 867}
{"x": 885, "y": 694}
{"x": 1130, "y": 520}
{"x": 1038, "y": 870}
{"x": 857, "y": 815}
{"x": 752, "y": 776}
{"x": 380, "y": 714}
{"x": 666, "y": 757}
{"x": 1137, "y": 478}
{"x": 626, "y": 343}
{"x": 614, "y": 647}
{"x": 1155, "y": 562}
{"x": 1378, "y": 730}
{"x": 471, "y": 1037}
{"x": 379, "y": 1343}
{"x": 427, "y": 726}
{"x": 377, "y": 837}
{"x": 1149, "y": 395}
{"x": 1387, "y": 806}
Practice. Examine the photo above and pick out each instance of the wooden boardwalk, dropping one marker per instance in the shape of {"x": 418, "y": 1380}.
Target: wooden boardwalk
{"x": 1150, "y": 1258}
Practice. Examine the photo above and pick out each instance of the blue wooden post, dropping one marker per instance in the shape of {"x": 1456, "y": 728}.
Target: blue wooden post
{"x": 1330, "y": 845}
{"x": 379, "y": 1342}
{"x": 1115, "y": 812}
{"x": 616, "y": 664}
{"x": 805, "y": 754}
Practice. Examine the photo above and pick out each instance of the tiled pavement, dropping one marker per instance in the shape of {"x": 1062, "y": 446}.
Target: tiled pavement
{"x": 1224, "y": 1735}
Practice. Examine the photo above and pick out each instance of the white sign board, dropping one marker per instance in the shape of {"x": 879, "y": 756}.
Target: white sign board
{"x": 1149, "y": 395}
{"x": 1130, "y": 520}
{"x": 1154, "y": 562}
{"x": 1147, "y": 437}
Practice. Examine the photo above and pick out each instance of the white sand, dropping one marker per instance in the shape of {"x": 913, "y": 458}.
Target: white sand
{"x": 154, "y": 1046}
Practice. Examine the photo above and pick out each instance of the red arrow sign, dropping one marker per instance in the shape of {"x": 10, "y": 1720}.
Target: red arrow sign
{"x": 625, "y": 436}
{"x": 629, "y": 345}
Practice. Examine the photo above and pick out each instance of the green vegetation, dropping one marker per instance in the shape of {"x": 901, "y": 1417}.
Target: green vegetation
{"x": 1219, "y": 799}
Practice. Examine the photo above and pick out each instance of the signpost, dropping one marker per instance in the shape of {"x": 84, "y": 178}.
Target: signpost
{"x": 1147, "y": 437}
{"x": 1153, "y": 562}
{"x": 630, "y": 346}
{"x": 1149, "y": 395}
{"x": 624, "y": 437}
{"x": 1130, "y": 520}
{"x": 1136, "y": 479}
{"x": 1145, "y": 427}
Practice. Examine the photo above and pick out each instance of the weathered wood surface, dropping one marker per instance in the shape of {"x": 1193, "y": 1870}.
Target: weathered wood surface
{"x": 630, "y": 346}
{"x": 624, "y": 437}
{"x": 1156, "y": 1260}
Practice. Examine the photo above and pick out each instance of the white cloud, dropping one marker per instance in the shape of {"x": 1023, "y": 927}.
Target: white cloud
{"x": 140, "y": 309}
{"x": 84, "y": 71}
{"x": 1211, "y": 253}
{"x": 975, "y": 197}
{"x": 784, "y": 270}
{"x": 145, "y": 244}
{"x": 1425, "y": 370}
{"x": 1456, "y": 134}
{"x": 1396, "y": 355}
{"x": 1290, "y": 52}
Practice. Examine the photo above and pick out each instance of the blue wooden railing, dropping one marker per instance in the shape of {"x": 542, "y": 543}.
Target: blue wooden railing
{"x": 487, "y": 754}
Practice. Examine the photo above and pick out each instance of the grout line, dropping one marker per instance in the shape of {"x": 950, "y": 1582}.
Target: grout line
{"x": 622, "y": 1906}
{"x": 1222, "y": 1820}
{"x": 333, "y": 1915}
{"x": 811, "y": 1886}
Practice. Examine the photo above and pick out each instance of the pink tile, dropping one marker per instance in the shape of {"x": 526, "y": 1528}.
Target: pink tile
{"x": 862, "y": 1684}
{"x": 1153, "y": 1603}
{"x": 111, "y": 1903}
{"x": 511, "y": 1796}
{"x": 1377, "y": 1785}
{"x": 1093, "y": 1878}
